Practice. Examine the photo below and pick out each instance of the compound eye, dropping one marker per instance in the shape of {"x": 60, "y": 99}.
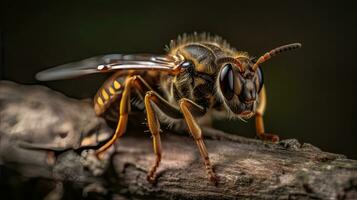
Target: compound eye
{"x": 226, "y": 81}
{"x": 260, "y": 78}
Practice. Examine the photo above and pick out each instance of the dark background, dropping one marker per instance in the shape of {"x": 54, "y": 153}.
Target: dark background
{"x": 311, "y": 91}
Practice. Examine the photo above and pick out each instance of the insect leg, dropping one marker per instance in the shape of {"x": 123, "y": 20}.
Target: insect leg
{"x": 154, "y": 126}
{"x": 140, "y": 85}
{"x": 124, "y": 109}
{"x": 188, "y": 108}
{"x": 150, "y": 98}
{"x": 259, "y": 124}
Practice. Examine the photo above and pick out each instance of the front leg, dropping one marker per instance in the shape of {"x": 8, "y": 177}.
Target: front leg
{"x": 259, "y": 123}
{"x": 188, "y": 108}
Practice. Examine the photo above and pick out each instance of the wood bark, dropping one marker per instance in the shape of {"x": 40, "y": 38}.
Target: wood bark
{"x": 34, "y": 119}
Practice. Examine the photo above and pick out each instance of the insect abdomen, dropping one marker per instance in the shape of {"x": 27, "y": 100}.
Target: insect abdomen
{"x": 110, "y": 91}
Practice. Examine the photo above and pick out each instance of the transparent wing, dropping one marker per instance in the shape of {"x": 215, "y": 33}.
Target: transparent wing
{"x": 108, "y": 63}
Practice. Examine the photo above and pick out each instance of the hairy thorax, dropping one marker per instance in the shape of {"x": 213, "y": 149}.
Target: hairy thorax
{"x": 198, "y": 83}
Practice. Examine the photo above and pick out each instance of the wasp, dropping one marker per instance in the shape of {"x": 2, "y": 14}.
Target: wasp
{"x": 199, "y": 76}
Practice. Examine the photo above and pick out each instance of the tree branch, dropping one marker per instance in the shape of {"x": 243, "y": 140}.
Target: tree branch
{"x": 247, "y": 168}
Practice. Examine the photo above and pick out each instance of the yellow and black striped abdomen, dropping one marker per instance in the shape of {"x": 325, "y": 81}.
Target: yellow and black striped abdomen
{"x": 110, "y": 91}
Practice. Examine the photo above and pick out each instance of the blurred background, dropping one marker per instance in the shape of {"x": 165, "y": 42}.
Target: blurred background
{"x": 311, "y": 91}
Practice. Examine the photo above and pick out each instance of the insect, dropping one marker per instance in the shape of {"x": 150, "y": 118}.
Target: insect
{"x": 199, "y": 75}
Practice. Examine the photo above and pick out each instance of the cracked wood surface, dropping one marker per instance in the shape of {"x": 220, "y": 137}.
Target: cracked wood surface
{"x": 247, "y": 168}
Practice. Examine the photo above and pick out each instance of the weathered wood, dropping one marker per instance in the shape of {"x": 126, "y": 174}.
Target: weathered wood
{"x": 247, "y": 168}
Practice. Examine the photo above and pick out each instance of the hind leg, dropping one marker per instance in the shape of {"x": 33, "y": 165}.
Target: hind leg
{"x": 124, "y": 109}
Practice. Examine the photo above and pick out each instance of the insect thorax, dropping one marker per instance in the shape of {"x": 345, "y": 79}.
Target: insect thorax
{"x": 197, "y": 84}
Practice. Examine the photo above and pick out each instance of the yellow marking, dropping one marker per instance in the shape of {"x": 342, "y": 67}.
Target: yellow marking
{"x": 116, "y": 85}
{"x": 111, "y": 90}
{"x": 199, "y": 81}
{"x": 100, "y": 101}
{"x": 105, "y": 94}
